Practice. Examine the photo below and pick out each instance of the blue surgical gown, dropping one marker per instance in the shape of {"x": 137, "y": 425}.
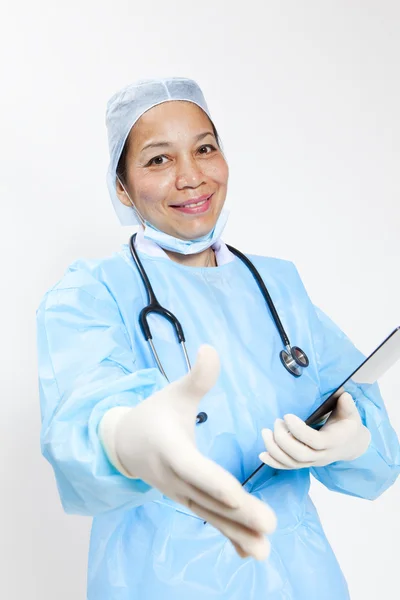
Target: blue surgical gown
{"x": 92, "y": 356}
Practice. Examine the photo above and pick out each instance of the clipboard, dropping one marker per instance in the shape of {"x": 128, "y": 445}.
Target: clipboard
{"x": 370, "y": 370}
{"x": 373, "y": 367}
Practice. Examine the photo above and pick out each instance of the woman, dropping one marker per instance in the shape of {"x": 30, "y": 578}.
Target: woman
{"x": 165, "y": 493}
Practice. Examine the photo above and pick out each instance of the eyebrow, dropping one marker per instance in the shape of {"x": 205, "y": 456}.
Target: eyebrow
{"x": 167, "y": 144}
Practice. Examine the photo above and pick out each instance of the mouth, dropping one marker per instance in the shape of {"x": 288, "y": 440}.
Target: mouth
{"x": 194, "y": 206}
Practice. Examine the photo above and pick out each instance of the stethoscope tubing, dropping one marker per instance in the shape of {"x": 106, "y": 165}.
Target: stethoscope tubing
{"x": 264, "y": 291}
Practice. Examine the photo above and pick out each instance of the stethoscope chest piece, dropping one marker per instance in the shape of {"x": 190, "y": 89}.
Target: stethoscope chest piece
{"x": 294, "y": 359}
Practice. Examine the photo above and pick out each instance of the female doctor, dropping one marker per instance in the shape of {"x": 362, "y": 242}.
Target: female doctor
{"x": 158, "y": 455}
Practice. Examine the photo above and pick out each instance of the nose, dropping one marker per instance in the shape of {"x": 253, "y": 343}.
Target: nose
{"x": 189, "y": 174}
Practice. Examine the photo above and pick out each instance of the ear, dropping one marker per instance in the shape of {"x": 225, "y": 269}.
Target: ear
{"x": 122, "y": 194}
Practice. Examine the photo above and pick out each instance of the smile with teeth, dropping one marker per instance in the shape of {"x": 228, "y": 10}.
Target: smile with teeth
{"x": 196, "y": 203}
{"x": 196, "y": 207}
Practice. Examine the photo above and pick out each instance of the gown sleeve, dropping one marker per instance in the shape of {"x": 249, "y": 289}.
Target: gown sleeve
{"x": 376, "y": 470}
{"x": 87, "y": 366}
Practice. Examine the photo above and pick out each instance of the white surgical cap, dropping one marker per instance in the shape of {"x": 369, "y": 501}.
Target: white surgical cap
{"x": 126, "y": 107}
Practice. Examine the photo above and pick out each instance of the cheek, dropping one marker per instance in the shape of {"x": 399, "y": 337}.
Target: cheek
{"x": 218, "y": 171}
{"x": 152, "y": 191}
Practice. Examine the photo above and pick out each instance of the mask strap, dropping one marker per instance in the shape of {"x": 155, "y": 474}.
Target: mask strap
{"x": 139, "y": 216}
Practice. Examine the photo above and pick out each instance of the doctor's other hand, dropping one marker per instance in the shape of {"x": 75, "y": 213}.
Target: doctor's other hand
{"x": 155, "y": 442}
{"x": 295, "y": 445}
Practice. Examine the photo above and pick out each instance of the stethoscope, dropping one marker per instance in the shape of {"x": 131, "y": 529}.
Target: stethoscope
{"x": 292, "y": 357}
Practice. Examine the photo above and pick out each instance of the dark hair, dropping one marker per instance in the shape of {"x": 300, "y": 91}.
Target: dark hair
{"x": 121, "y": 167}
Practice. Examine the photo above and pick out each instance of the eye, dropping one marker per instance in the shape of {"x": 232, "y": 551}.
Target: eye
{"x": 156, "y": 161}
{"x": 206, "y": 147}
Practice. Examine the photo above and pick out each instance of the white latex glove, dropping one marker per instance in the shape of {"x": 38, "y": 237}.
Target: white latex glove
{"x": 155, "y": 442}
{"x": 294, "y": 445}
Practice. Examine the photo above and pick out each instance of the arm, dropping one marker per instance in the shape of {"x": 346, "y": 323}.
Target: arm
{"x": 88, "y": 383}
{"x": 86, "y": 367}
{"x": 357, "y": 451}
{"x": 376, "y": 470}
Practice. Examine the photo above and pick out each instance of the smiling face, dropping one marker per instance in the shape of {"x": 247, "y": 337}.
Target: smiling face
{"x": 175, "y": 173}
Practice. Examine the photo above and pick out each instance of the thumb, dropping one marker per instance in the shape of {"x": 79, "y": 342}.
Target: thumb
{"x": 203, "y": 375}
{"x": 346, "y": 408}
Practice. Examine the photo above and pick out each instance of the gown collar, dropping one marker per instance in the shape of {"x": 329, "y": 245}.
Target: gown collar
{"x": 222, "y": 254}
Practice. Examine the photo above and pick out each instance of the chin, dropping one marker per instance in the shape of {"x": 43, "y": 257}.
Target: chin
{"x": 194, "y": 233}
{"x": 194, "y": 230}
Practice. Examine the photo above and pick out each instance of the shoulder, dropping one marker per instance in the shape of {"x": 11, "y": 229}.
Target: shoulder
{"x": 279, "y": 264}
{"x": 87, "y": 278}
{"x": 275, "y": 268}
{"x": 281, "y": 278}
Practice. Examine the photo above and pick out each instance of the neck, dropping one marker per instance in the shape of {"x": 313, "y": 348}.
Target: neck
{"x": 202, "y": 259}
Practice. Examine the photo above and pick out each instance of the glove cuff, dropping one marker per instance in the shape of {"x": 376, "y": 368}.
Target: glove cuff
{"x": 107, "y": 430}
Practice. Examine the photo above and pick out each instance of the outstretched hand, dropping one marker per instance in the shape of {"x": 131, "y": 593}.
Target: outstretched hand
{"x": 155, "y": 441}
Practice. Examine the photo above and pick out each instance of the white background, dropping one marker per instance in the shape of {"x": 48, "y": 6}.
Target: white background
{"x": 306, "y": 97}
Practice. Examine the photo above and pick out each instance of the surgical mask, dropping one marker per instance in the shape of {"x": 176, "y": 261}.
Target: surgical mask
{"x": 169, "y": 242}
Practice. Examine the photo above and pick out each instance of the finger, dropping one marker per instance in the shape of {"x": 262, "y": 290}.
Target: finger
{"x": 203, "y": 375}
{"x": 252, "y": 543}
{"x": 274, "y": 464}
{"x": 305, "y": 434}
{"x": 240, "y": 550}
{"x": 214, "y": 483}
{"x": 253, "y": 514}
{"x": 267, "y": 459}
{"x": 205, "y": 475}
{"x": 275, "y": 451}
{"x": 292, "y": 446}
{"x": 345, "y": 408}
{"x": 190, "y": 494}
